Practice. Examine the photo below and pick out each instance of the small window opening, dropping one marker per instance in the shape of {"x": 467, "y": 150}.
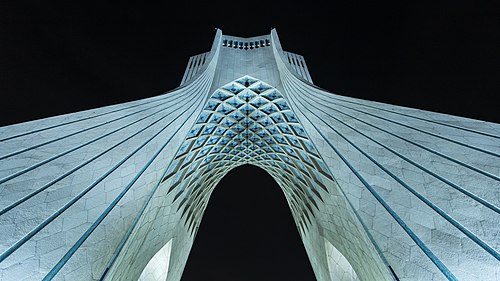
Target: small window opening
{"x": 157, "y": 267}
{"x": 338, "y": 265}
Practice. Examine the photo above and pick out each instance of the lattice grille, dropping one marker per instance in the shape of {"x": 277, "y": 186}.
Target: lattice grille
{"x": 248, "y": 122}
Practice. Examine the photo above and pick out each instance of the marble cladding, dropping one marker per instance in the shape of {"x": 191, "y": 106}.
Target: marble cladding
{"x": 89, "y": 188}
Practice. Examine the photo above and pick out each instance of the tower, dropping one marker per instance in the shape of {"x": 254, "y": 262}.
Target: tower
{"x": 378, "y": 192}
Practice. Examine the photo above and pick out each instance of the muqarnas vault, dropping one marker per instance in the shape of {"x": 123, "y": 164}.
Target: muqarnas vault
{"x": 378, "y": 192}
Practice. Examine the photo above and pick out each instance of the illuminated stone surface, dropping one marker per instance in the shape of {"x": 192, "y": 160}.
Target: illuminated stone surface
{"x": 371, "y": 186}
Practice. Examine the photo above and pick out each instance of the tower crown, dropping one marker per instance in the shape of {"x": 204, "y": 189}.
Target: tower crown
{"x": 239, "y": 56}
{"x": 246, "y": 43}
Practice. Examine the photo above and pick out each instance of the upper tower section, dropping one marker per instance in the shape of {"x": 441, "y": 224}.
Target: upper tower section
{"x": 246, "y": 43}
{"x": 254, "y": 56}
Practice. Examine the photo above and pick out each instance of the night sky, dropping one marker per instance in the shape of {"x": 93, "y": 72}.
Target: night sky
{"x": 64, "y": 57}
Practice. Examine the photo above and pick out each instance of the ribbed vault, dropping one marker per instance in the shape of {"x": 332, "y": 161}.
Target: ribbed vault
{"x": 248, "y": 121}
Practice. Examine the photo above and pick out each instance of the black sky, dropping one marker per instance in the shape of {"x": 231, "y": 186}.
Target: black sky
{"x": 61, "y": 57}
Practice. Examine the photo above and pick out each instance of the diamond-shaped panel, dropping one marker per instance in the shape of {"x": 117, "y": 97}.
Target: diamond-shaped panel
{"x": 249, "y": 121}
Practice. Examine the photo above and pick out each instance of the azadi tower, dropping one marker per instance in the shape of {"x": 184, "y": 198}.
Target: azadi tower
{"x": 377, "y": 191}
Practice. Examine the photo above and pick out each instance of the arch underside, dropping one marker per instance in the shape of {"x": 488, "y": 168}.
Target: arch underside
{"x": 248, "y": 121}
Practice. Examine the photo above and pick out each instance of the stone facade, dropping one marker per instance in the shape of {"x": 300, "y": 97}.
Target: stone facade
{"x": 378, "y": 192}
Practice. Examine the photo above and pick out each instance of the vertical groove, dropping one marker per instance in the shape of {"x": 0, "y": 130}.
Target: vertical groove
{"x": 464, "y": 191}
{"x": 446, "y": 272}
{"x": 78, "y": 120}
{"x": 186, "y": 72}
{"x": 334, "y": 97}
{"x": 422, "y": 131}
{"x": 34, "y": 166}
{"x": 37, "y": 229}
{"x": 136, "y": 220}
{"x": 74, "y": 133}
{"x": 435, "y": 208}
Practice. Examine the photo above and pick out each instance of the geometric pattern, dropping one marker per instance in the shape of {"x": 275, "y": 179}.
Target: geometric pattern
{"x": 415, "y": 194}
{"x": 248, "y": 121}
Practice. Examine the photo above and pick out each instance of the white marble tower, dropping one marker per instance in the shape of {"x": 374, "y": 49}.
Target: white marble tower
{"x": 378, "y": 192}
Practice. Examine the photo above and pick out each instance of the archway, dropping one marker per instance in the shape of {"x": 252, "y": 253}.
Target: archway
{"x": 247, "y": 233}
{"x": 250, "y": 122}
